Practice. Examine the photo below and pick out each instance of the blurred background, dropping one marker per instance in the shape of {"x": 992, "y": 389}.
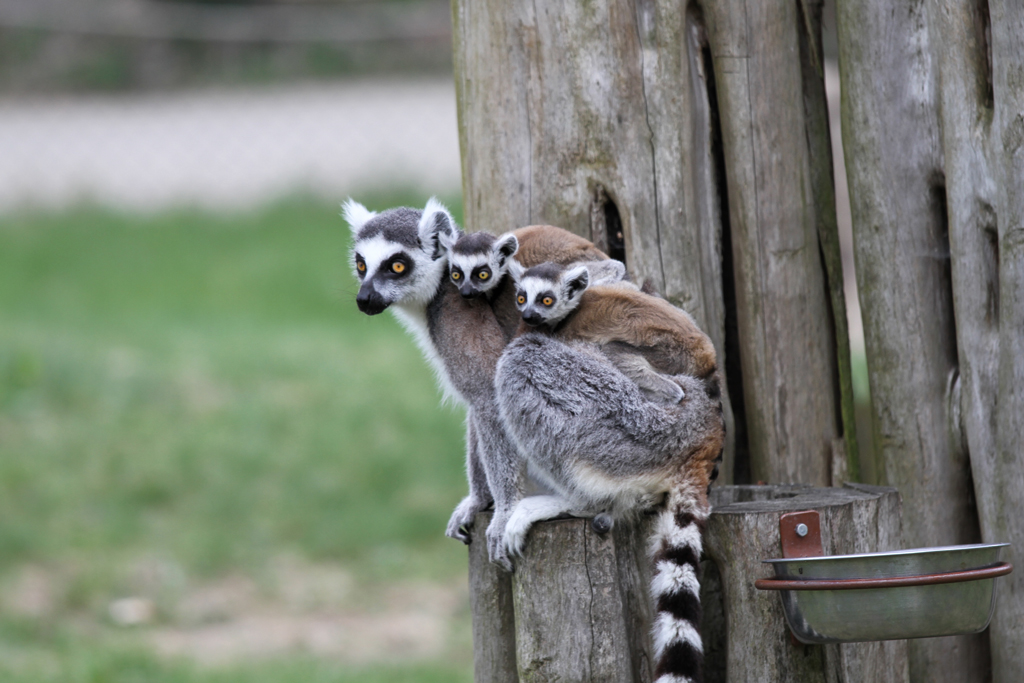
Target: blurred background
{"x": 213, "y": 468}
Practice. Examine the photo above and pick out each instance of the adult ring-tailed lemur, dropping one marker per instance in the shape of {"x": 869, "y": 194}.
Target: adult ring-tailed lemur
{"x": 401, "y": 261}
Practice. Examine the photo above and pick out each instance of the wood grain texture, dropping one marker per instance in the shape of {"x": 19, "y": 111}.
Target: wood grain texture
{"x": 787, "y": 347}
{"x": 697, "y": 125}
{"x": 999, "y": 473}
{"x": 577, "y": 607}
{"x": 933, "y": 121}
{"x": 893, "y": 159}
{"x": 490, "y": 602}
{"x": 962, "y": 74}
{"x": 576, "y": 610}
{"x": 845, "y": 464}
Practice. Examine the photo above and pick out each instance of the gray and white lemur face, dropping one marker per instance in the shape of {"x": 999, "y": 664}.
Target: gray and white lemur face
{"x": 397, "y": 255}
{"x": 477, "y": 262}
{"x": 545, "y": 294}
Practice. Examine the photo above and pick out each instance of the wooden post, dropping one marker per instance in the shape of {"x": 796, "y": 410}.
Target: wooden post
{"x": 577, "y": 607}
{"x": 933, "y": 130}
{"x": 490, "y": 596}
{"x": 744, "y": 529}
{"x": 700, "y": 135}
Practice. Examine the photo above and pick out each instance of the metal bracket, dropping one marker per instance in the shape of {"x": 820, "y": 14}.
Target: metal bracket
{"x": 801, "y": 534}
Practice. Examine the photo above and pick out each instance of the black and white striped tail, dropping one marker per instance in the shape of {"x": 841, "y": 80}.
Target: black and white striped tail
{"x": 675, "y": 587}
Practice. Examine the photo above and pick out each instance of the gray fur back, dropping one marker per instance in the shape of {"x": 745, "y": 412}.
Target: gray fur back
{"x": 564, "y": 403}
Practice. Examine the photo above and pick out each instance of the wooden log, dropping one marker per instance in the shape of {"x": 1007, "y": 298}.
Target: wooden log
{"x": 698, "y": 134}
{"x": 999, "y": 473}
{"x": 981, "y": 101}
{"x": 934, "y": 142}
{"x": 573, "y": 607}
{"x": 577, "y": 607}
{"x": 893, "y": 160}
{"x": 581, "y": 609}
{"x": 775, "y": 148}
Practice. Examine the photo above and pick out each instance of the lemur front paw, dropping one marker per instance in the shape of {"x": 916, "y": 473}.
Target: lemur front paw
{"x": 691, "y": 387}
{"x": 664, "y": 392}
{"x": 462, "y": 518}
{"x": 529, "y": 511}
{"x": 495, "y": 541}
{"x": 514, "y": 538}
{"x": 674, "y": 393}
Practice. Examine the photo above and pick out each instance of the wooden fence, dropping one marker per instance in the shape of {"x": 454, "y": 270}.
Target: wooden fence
{"x": 691, "y": 139}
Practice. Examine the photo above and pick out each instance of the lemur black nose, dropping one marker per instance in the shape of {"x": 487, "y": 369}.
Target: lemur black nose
{"x": 468, "y": 292}
{"x": 533, "y": 319}
{"x": 369, "y": 302}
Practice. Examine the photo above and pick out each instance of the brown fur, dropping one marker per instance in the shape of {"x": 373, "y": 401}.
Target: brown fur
{"x": 541, "y": 243}
{"x": 666, "y": 336}
{"x": 698, "y": 470}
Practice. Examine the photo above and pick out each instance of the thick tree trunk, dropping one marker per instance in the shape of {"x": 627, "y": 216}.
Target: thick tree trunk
{"x": 701, "y": 136}
{"x": 933, "y": 132}
{"x": 577, "y": 607}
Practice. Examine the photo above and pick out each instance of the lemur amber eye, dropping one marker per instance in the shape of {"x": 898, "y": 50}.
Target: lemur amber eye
{"x": 360, "y": 266}
{"x": 483, "y": 274}
{"x": 547, "y": 301}
{"x": 456, "y": 275}
{"x": 398, "y": 267}
{"x": 520, "y": 299}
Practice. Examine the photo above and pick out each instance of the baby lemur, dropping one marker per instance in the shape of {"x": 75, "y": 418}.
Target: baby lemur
{"x": 478, "y": 263}
{"x": 649, "y": 339}
{"x": 646, "y": 337}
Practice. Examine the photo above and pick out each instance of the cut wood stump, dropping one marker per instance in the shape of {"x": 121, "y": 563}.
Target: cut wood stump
{"x": 577, "y": 607}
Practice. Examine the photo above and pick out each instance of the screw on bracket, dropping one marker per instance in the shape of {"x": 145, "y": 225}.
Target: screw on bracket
{"x": 800, "y": 533}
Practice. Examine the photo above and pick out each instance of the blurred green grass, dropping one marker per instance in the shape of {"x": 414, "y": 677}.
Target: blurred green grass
{"x": 201, "y": 389}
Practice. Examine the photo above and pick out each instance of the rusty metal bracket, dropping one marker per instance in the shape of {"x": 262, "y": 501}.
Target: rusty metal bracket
{"x": 801, "y": 534}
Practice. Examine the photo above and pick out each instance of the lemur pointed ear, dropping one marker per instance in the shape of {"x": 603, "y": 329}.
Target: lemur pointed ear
{"x": 576, "y": 282}
{"x": 515, "y": 269}
{"x": 356, "y": 215}
{"x": 506, "y": 246}
{"x": 436, "y": 221}
{"x": 447, "y": 240}
{"x": 606, "y": 272}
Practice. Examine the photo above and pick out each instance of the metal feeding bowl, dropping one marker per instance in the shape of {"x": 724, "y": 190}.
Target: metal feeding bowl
{"x": 916, "y": 593}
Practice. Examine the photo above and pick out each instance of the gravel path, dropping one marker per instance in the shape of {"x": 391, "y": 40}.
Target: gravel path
{"x": 229, "y": 148}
